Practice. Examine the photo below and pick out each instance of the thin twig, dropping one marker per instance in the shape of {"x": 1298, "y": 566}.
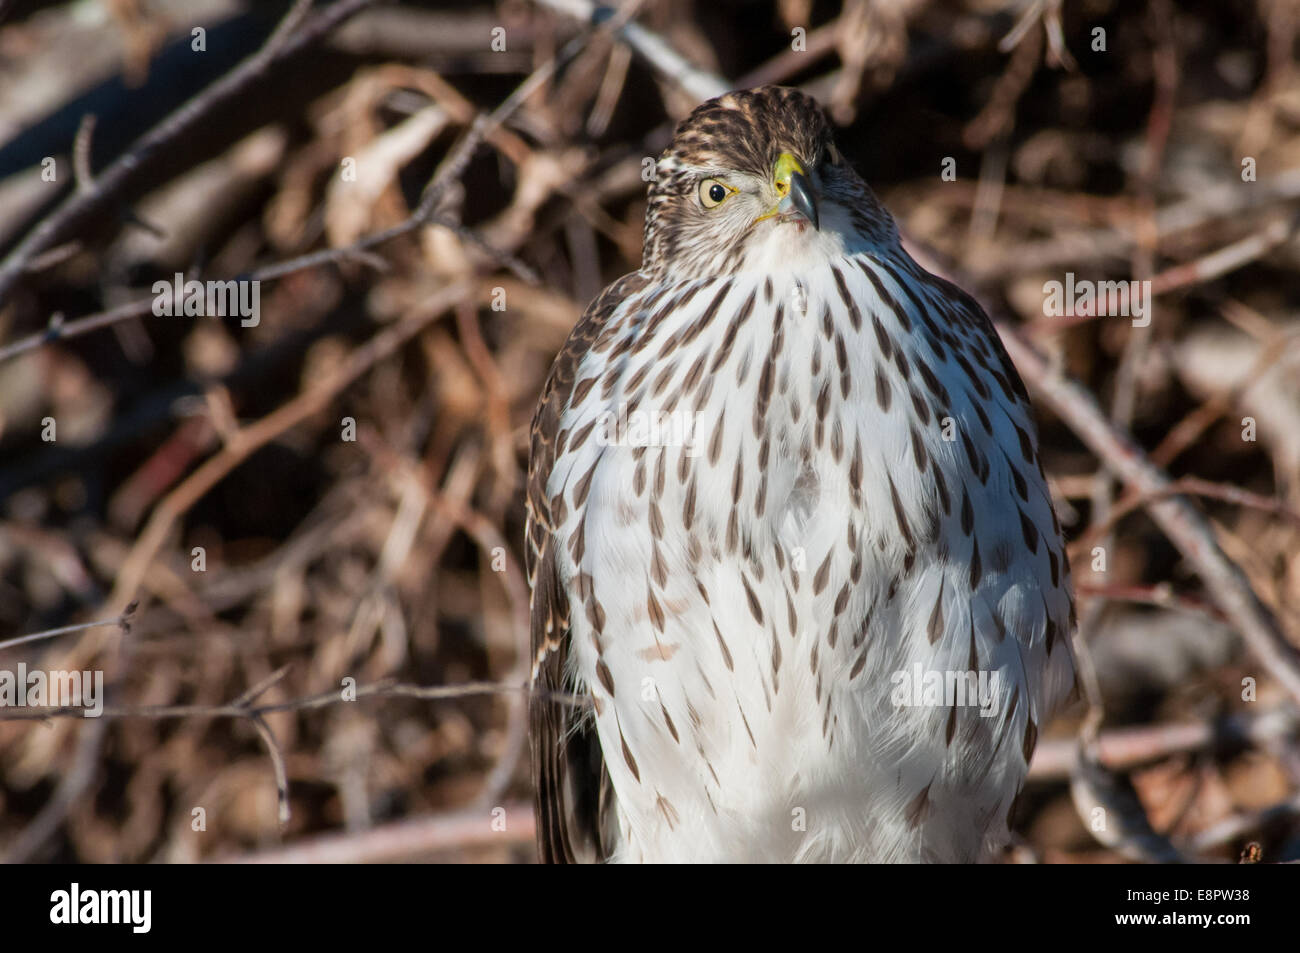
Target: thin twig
{"x": 61, "y": 330}
{"x": 122, "y": 620}
{"x": 1180, "y": 521}
{"x": 646, "y": 43}
{"x": 1123, "y": 749}
{"x": 1185, "y": 486}
{"x": 1238, "y": 825}
{"x": 277, "y": 765}
{"x": 326, "y": 699}
{"x": 1161, "y": 594}
{"x": 1228, "y": 258}
{"x": 508, "y": 824}
{"x": 61, "y": 225}
{"x": 81, "y": 172}
{"x": 76, "y": 781}
{"x": 259, "y": 433}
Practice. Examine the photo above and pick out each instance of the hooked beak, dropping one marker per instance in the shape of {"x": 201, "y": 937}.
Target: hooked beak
{"x": 796, "y": 191}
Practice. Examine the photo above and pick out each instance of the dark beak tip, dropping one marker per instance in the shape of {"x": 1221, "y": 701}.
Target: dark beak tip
{"x": 801, "y": 197}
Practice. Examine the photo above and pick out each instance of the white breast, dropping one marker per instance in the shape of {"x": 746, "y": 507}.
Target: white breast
{"x": 742, "y": 604}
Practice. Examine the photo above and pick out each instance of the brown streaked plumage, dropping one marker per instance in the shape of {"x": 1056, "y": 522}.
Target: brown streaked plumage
{"x": 857, "y": 497}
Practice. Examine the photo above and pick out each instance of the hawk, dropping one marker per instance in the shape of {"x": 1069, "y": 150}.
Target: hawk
{"x": 824, "y": 619}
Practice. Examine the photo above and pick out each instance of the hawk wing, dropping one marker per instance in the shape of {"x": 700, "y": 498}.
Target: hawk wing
{"x": 572, "y": 793}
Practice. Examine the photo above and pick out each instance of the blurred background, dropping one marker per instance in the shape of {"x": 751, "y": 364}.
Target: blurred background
{"x": 330, "y": 496}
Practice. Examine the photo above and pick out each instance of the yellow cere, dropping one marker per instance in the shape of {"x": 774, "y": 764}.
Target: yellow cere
{"x": 786, "y": 166}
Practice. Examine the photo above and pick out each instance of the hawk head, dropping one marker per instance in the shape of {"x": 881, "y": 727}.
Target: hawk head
{"x": 753, "y": 180}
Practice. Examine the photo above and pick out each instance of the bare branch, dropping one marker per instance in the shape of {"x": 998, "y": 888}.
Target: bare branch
{"x": 509, "y": 824}
{"x": 1180, "y": 521}
{"x": 62, "y": 224}
{"x": 122, "y": 620}
{"x": 244, "y": 709}
{"x": 649, "y": 45}
{"x": 1123, "y": 749}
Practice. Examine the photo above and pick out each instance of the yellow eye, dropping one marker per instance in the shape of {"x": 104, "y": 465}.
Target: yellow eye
{"x": 713, "y": 193}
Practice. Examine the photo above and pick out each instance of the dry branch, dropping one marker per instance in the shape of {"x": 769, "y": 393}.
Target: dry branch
{"x": 1179, "y": 520}
{"x": 510, "y": 824}
{"x": 293, "y": 35}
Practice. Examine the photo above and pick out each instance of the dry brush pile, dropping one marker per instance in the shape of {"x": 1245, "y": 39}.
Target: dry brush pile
{"x": 301, "y": 524}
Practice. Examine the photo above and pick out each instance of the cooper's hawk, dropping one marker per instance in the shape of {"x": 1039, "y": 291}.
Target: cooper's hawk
{"x": 818, "y": 599}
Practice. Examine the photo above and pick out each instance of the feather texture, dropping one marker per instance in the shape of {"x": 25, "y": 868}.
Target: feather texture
{"x": 833, "y": 497}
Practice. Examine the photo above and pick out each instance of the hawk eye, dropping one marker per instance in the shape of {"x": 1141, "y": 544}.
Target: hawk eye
{"x": 713, "y": 193}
